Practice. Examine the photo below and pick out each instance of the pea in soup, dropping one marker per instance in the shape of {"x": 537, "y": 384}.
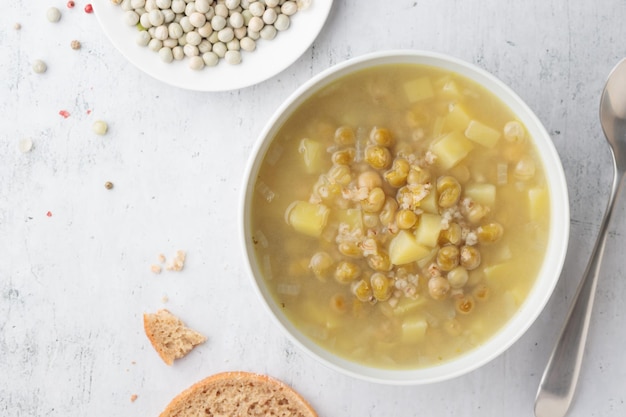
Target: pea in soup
{"x": 400, "y": 216}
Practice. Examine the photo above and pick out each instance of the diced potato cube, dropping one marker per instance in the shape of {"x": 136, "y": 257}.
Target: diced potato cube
{"x": 451, "y": 149}
{"x": 427, "y": 231}
{"x": 512, "y": 300}
{"x": 457, "y": 118}
{"x": 352, "y": 217}
{"x": 408, "y": 305}
{"x": 538, "y": 203}
{"x": 418, "y": 89}
{"x": 481, "y": 193}
{"x": 439, "y": 126}
{"x": 422, "y": 263}
{"x": 312, "y": 153}
{"x": 414, "y": 329}
{"x": 482, "y": 134}
{"x": 429, "y": 203}
{"x": 404, "y": 249}
{"x": 501, "y": 274}
{"x": 307, "y": 218}
{"x": 451, "y": 89}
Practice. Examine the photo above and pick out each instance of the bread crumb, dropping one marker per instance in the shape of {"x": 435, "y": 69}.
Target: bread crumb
{"x": 165, "y": 299}
{"x": 133, "y": 398}
{"x": 161, "y": 258}
{"x": 177, "y": 263}
{"x": 155, "y": 269}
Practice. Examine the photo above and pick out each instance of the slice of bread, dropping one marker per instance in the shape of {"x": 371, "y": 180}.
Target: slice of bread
{"x": 169, "y": 335}
{"x": 239, "y": 394}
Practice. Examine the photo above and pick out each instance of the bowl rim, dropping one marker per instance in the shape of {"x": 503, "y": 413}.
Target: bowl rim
{"x": 554, "y": 257}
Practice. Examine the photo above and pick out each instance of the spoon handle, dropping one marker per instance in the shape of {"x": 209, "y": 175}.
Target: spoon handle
{"x": 558, "y": 383}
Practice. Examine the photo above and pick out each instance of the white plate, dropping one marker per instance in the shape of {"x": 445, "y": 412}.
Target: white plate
{"x": 270, "y": 57}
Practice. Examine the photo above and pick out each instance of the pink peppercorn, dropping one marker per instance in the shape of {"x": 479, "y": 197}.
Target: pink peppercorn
{"x": 88, "y": 8}
{"x": 70, "y": 4}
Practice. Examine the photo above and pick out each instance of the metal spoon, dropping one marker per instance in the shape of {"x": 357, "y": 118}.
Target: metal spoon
{"x": 558, "y": 384}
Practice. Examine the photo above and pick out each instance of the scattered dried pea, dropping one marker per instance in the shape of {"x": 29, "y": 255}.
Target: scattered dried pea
{"x": 53, "y": 14}
{"x": 39, "y": 67}
{"x": 99, "y": 127}
{"x": 25, "y": 145}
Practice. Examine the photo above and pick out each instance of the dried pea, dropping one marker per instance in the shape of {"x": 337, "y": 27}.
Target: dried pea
{"x": 380, "y": 261}
{"x": 381, "y": 286}
{"x": 378, "y": 157}
{"x": 343, "y": 156}
{"x": 452, "y": 235}
{"x": 406, "y": 219}
{"x": 481, "y": 292}
{"x": 465, "y": 304}
{"x": 418, "y": 175}
{"x": 490, "y": 233}
{"x": 375, "y": 201}
{"x": 449, "y": 191}
{"x": 362, "y": 290}
{"x": 469, "y": 257}
{"x": 438, "y": 288}
{"x": 347, "y": 272}
{"x": 338, "y": 303}
{"x": 321, "y": 264}
{"x": 448, "y": 257}
{"x": 381, "y": 136}
{"x": 397, "y": 175}
{"x": 458, "y": 277}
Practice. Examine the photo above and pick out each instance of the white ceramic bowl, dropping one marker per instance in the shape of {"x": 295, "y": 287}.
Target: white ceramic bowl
{"x": 549, "y": 271}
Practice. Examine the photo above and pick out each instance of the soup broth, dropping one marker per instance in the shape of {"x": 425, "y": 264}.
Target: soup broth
{"x": 400, "y": 216}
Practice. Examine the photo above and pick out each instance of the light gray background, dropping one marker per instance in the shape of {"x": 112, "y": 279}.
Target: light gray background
{"x": 74, "y": 286}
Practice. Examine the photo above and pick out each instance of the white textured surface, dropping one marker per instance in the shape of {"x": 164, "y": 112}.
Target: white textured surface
{"x": 73, "y": 286}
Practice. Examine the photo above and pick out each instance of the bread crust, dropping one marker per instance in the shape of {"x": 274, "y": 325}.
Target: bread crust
{"x": 239, "y": 394}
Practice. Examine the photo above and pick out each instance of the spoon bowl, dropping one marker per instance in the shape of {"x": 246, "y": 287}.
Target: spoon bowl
{"x": 558, "y": 383}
